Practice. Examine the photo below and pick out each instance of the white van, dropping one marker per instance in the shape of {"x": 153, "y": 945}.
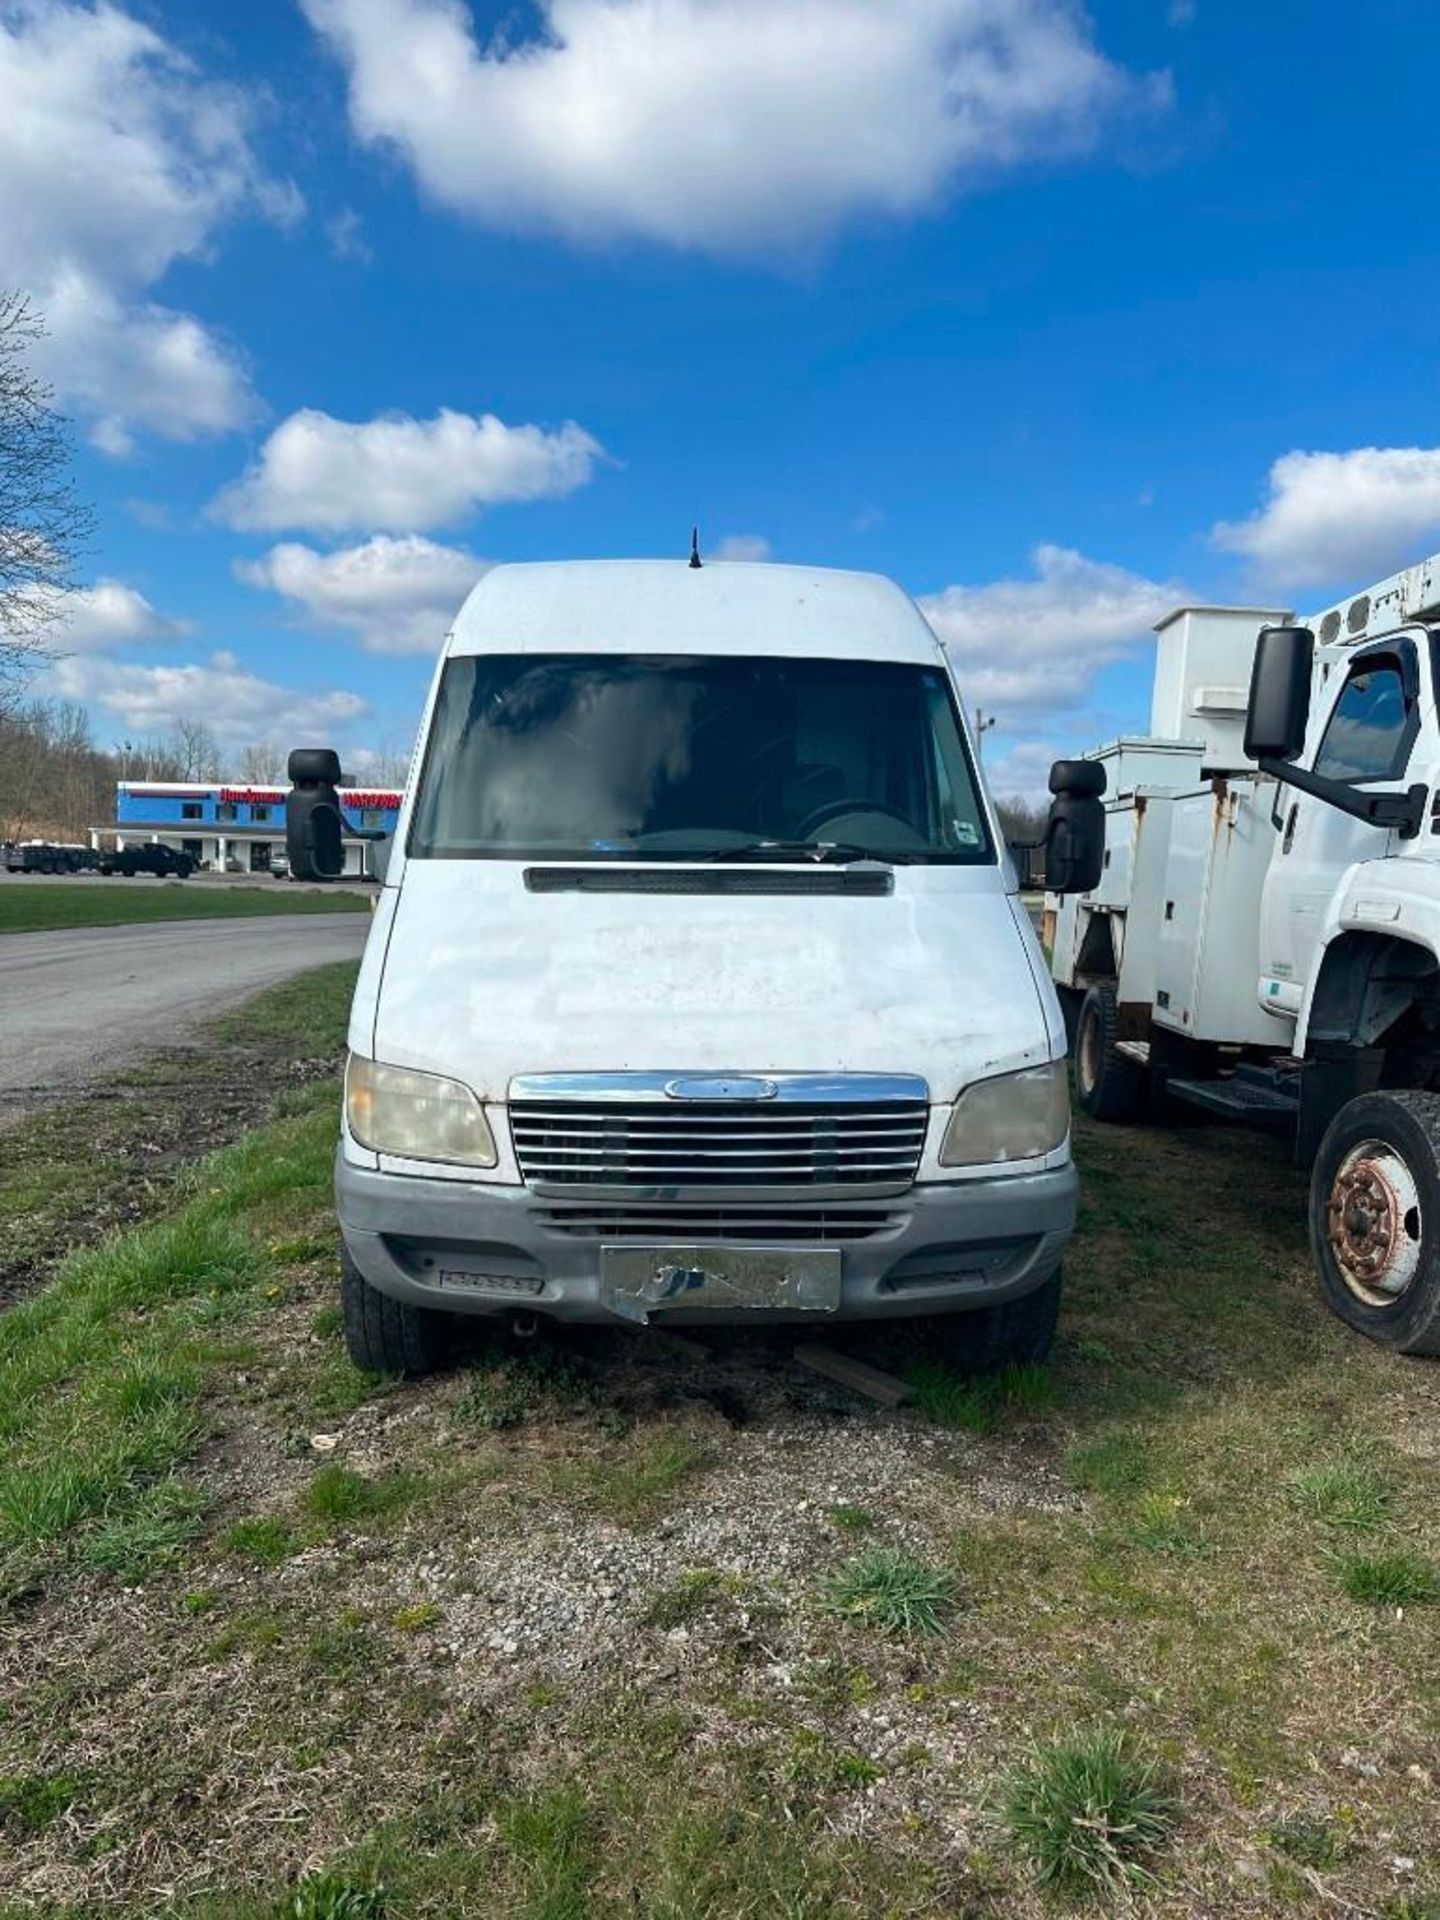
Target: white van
{"x": 699, "y": 987}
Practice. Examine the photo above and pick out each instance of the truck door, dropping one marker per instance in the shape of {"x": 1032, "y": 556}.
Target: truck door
{"x": 1366, "y": 734}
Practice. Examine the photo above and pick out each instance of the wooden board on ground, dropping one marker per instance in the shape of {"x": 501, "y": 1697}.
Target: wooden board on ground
{"x": 855, "y": 1374}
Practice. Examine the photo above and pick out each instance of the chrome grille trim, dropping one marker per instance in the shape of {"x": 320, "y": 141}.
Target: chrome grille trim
{"x": 803, "y": 1135}
{"x": 682, "y": 1226}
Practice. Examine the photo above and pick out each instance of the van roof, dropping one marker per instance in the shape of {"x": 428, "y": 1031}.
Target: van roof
{"x": 666, "y": 606}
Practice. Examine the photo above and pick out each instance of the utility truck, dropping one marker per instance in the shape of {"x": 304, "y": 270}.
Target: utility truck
{"x": 1263, "y": 945}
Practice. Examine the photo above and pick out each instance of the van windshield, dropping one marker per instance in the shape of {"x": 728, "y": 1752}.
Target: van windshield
{"x": 667, "y": 756}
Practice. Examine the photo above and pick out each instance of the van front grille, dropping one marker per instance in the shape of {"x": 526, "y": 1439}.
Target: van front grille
{"x": 682, "y": 1143}
{"x": 739, "y": 1225}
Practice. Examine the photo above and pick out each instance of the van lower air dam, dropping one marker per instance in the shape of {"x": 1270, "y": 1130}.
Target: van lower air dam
{"x": 699, "y": 988}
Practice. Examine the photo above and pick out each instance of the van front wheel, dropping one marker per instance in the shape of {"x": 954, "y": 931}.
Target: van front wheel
{"x": 388, "y": 1336}
{"x": 1016, "y": 1333}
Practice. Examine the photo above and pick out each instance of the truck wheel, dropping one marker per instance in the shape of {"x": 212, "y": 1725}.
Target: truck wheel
{"x": 1015, "y": 1333}
{"x": 388, "y": 1336}
{"x": 1375, "y": 1218}
{"x": 1108, "y": 1086}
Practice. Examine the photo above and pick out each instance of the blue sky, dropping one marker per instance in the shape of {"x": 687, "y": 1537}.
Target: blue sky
{"x": 1054, "y": 315}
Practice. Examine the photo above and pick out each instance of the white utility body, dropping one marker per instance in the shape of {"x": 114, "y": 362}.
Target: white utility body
{"x": 1264, "y": 943}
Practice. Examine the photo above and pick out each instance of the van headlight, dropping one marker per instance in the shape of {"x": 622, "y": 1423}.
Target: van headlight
{"x": 415, "y": 1116}
{"x": 1016, "y": 1116}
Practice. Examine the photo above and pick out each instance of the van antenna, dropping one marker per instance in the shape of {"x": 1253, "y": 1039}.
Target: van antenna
{"x": 695, "y": 559}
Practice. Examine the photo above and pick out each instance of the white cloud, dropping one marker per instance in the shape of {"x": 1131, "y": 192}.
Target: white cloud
{"x": 237, "y": 705}
{"x": 1034, "y": 647}
{"x": 110, "y": 614}
{"x": 743, "y": 546}
{"x": 116, "y": 159}
{"x": 400, "y": 473}
{"x": 728, "y": 125}
{"x": 399, "y": 596}
{"x": 1022, "y": 772}
{"x": 1337, "y": 519}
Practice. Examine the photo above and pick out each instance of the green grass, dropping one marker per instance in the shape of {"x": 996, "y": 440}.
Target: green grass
{"x": 331, "y": 1896}
{"x": 1085, "y": 1810}
{"x": 893, "y": 1592}
{"x": 1348, "y": 1492}
{"x": 56, "y": 906}
{"x": 340, "y": 1497}
{"x": 1394, "y": 1578}
{"x": 30, "y": 1801}
{"x": 983, "y": 1403}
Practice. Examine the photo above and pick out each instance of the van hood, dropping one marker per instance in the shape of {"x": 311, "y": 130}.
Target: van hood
{"x": 484, "y": 980}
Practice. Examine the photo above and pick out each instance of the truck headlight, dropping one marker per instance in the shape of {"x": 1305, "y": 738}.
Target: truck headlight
{"x": 415, "y": 1116}
{"x": 1016, "y": 1116}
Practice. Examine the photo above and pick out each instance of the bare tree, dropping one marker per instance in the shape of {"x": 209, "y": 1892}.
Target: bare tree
{"x": 262, "y": 764}
{"x": 195, "y": 750}
{"x": 43, "y": 523}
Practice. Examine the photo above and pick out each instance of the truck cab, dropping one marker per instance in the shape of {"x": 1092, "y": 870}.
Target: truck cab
{"x": 1270, "y": 953}
{"x": 699, "y": 988}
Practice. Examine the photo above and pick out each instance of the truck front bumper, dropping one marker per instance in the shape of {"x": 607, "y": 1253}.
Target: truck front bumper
{"x": 489, "y": 1249}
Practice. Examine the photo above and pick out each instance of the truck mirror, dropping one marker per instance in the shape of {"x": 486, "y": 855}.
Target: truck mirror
{"x": 1279, "y": 693}
{"x": 1075, "y": 834}
{"x": 313, "y": 824}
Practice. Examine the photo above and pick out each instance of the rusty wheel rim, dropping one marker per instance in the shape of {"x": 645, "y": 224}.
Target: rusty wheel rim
{"x": 1373, "y": 1224}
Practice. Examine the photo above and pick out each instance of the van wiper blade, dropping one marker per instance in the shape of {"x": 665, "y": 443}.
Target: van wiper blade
{"x": 837, "y": 853}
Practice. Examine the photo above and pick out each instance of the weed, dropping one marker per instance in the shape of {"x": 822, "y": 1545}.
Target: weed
{"x": 980, "y": 1404}
{"x": 693, "y": 1594}
{"x": 1084, "y": 1810}
{"x": 328, "y": 1323}
{"x": 1347, "y": 1492}
{"x": 889, "y": 1590}
{"x": 632, "y": 1485}
{"x": 1310, "y": 1842}
{"x": 1397, "y": 1578}
{"x": 331, "y": 1896}
{"x": 415, "y": 1619}
{"x": 30, "y": 1801}
{"x": 263, "y": 1538}
{"x": 818, "y": 1765}
{"x": 1159, "y": 1525}
{"x": 851, "y": 1519}
{"x": 1115, "y": 1463}
{"x": 508, "y": 1394}
{"x": 340, "y": 1496}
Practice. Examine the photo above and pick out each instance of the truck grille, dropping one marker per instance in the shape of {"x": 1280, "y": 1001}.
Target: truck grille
{"x": 785, "y": 1142}
{"x": 741, "y": 1225}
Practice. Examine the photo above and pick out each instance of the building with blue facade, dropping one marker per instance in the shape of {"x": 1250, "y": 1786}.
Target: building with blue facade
{"x": 235, "y": 828}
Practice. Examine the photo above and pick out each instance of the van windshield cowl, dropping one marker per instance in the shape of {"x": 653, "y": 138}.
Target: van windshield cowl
{"x": 590, "y": 756}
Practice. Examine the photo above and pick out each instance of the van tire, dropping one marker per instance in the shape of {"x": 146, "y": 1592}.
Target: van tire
{"x": 1108, "y": 1085}
{"x": 1016, "y": 1333}
{"x": 389, "y": 1336}
{"x": 1398, "y": 1134}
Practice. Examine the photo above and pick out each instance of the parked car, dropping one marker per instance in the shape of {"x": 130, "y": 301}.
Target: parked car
{"x": 699, "y": 988}
{"x": 150, "y": 856}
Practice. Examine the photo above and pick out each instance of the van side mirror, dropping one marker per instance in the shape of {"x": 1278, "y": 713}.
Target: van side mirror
{"x": 1279, "y": 693}
{"x": 313, "y": 825}
{"x": 1075, "y": 833}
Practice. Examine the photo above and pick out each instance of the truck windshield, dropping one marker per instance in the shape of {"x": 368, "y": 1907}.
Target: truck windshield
{"x": 666, "y": 756}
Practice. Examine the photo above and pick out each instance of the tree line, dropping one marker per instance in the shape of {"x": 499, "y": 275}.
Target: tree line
{"x": 56, "y": 783}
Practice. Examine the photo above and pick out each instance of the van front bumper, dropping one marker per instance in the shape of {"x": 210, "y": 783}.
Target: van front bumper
{"x": 490, "y": 1249}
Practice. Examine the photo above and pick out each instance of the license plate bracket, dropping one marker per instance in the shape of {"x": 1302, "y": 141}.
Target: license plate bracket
{"x": 636, "y": 1282}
